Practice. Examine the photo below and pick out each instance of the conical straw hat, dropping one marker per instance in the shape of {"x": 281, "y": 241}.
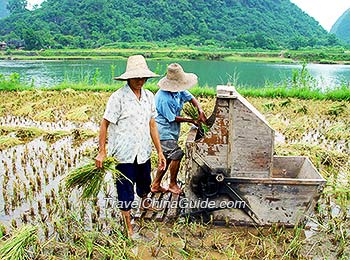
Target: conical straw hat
{"x": 136, "y": 67}
{"x": 176, "y": 79}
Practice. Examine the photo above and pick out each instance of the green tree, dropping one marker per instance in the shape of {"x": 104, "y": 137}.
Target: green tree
{"x": 32, "y": 39}
{"x": 91, "y": 23}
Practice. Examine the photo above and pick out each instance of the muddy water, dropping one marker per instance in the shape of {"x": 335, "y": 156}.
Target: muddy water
{"x": 58, "y": 125}
{"x": 33, "y": 171}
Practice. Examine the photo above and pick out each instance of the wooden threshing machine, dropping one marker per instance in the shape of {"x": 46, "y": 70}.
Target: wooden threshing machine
{"x": 232, "y": 168}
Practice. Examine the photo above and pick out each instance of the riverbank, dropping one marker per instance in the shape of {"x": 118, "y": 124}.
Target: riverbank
{"x": 297, "y": 90}
{"x": 322, "y": 56}
{"x": 44, "y": 134}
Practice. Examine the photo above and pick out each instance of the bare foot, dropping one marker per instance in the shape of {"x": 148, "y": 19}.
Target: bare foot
{"x": 175, "y": 189}
{"x": 158, "y": 189}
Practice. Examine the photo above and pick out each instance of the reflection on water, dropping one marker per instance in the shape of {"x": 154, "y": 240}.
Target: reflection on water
{"x": 210, "y": 73}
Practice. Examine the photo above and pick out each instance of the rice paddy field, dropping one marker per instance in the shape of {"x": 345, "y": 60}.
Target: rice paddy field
{"x": 44, "y": 135}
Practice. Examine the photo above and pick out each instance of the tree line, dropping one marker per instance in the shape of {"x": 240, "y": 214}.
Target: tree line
{"x": 266, "y": 24}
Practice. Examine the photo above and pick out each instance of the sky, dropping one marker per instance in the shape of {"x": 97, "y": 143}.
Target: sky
{"x": 326, "y": 12}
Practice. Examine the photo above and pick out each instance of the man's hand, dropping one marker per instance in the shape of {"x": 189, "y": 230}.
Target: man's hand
{"x": 99, "y": 159}
{"x": 202, "y": 118}
{"x": 161, "y": 162}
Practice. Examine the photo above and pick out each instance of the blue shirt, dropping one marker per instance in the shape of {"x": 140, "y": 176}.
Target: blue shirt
{"x": 169, "y": 105}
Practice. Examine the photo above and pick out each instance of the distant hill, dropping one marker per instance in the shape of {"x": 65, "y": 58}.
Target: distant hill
{"x": 341, "y": 28}
{"x": 3, "y": 11}
{"x": 267, "y": 24}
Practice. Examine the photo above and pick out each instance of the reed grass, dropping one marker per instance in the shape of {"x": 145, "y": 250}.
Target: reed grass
{"x": 190, "y": 110}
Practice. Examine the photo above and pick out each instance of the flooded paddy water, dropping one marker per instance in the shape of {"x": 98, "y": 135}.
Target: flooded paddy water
{"x": 46, "y": 134}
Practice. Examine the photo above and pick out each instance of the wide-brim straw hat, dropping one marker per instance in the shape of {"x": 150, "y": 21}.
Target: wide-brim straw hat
{"x": 136, "y": 67}
{"x": 176, "y": 79}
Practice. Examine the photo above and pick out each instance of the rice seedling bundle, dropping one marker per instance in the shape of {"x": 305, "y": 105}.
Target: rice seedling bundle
{"x": 90, "y": 178}
{"x": 191, "y": 111}
{"x": 17, "y": 247}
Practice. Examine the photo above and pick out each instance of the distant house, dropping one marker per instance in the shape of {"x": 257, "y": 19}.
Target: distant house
{"x": 3, "y": 45}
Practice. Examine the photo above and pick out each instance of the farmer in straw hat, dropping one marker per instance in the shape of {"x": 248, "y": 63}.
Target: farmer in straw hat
{"x": 169, "y": 102}
{"x": 130, "y": 120}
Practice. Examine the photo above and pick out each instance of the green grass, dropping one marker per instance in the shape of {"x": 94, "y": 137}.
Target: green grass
{"x": 168, "y": 51}
{"x": 337, "y": 94}
{"x": 302, "y": 85}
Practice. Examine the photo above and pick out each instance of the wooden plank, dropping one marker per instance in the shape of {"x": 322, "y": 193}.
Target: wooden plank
{"x": 172, "y": 211}
{"x": 138, "y": 214}
{"x": 164, "y": 202}
{"x": 155, "y": 199}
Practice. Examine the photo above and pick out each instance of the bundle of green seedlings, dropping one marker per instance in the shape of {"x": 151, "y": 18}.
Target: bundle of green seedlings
{"x": 21, "y": 245}
{"x": 191, "y": 111}
{"x": 90, "y": 178}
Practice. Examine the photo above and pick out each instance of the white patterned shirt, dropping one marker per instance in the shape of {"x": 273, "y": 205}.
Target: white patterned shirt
{"x": 129, "y": 131}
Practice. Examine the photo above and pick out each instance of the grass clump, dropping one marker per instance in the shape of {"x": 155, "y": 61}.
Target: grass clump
{"x": 18, "y": 246}
{"x": 90, "y": 178}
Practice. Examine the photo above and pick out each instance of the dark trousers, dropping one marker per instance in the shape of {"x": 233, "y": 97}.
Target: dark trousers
{"x": 139, "y": 174}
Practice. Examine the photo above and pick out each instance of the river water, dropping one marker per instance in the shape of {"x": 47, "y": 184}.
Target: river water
{"x": 210, "y": 73}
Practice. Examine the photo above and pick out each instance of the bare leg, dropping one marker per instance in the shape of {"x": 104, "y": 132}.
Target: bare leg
{"x": 174, "y": 170}
{"x": 156, "y": 187}
{"x": 127, "y": 221}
